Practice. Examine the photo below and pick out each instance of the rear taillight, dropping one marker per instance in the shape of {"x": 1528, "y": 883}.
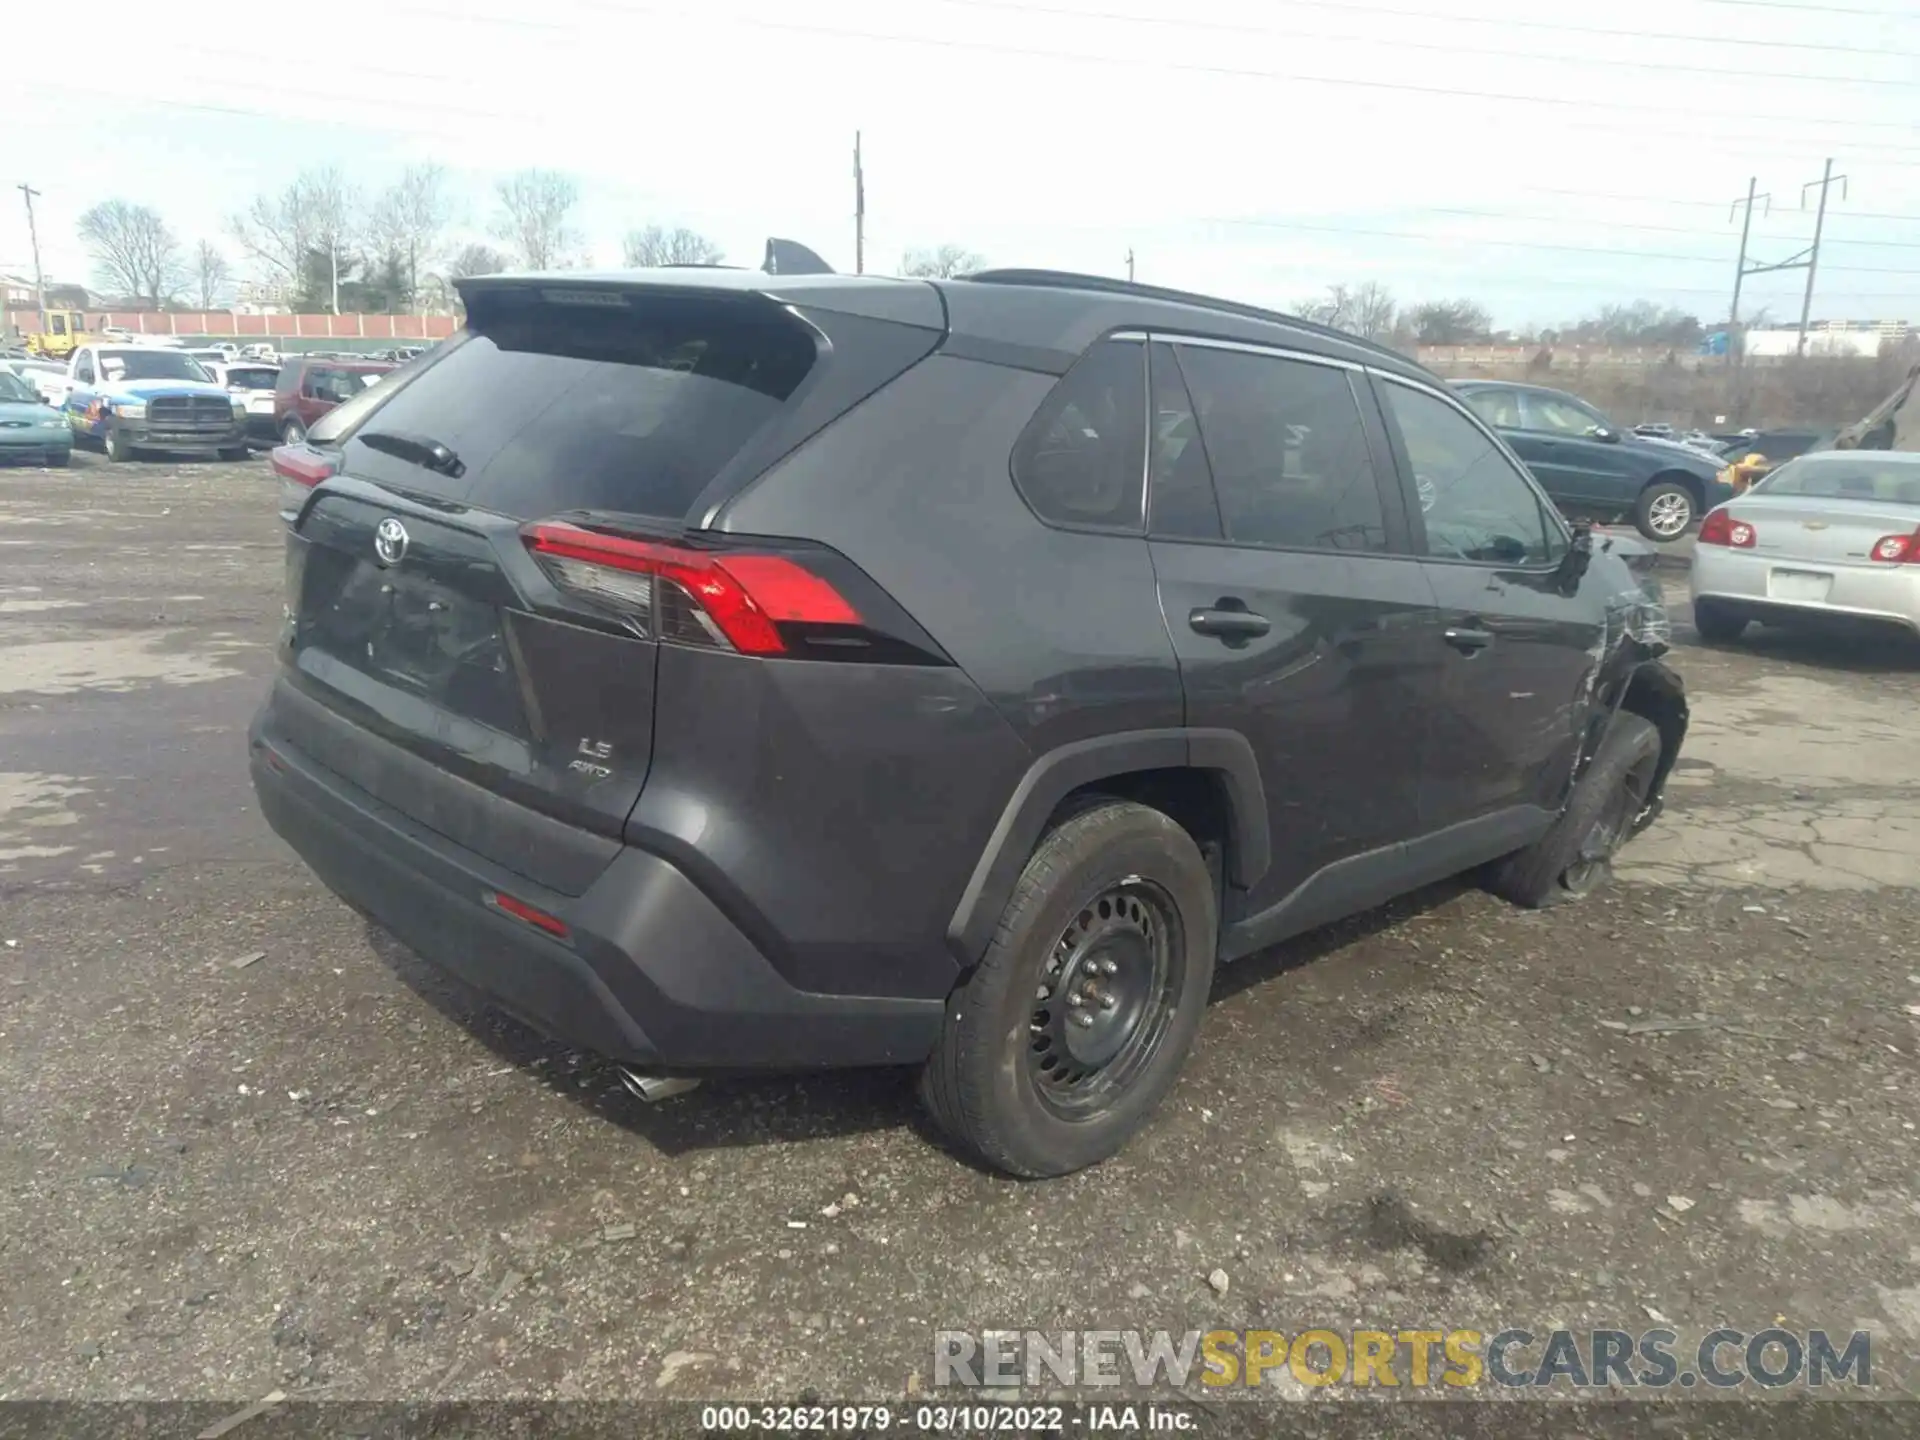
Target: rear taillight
{"x": 1720, "y": 528}
{"x": 730, "y": 600}
{"x": 1897, "y": 549}
{"x": 300, "y": 469}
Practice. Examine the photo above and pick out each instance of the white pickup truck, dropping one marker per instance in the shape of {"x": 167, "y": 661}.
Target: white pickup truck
{"x": 130, "y": 398}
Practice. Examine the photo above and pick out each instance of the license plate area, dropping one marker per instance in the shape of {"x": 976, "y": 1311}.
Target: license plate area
{"x": 414, "y": 634}
{"x": 1805, "y": 586}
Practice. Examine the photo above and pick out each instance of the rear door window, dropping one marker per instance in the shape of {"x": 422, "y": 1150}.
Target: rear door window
{"x": 606, "y": 400}
{"x": 1181, "y": 489}
{"x": 1288, "y": 450}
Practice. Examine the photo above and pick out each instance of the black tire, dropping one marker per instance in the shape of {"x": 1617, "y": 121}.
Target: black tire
{"x": 235, "y": 452}
{"x": 60, "y": 459}
{"x": 1575, "y": 857}
{"x": 117, "y": 448}
{"x": 1717, "y": 624}
{"x": 293, "y": 432}
{"x": 1115, "y": 883}
{"x": 1665, "y": 511}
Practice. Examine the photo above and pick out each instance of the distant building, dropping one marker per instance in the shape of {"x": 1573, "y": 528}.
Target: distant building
{"x": 1858, "y": 338}
{"x": 264, "y": 297}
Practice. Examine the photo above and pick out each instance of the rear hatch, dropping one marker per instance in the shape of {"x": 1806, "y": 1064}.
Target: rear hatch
{"x": 498, "y": 545}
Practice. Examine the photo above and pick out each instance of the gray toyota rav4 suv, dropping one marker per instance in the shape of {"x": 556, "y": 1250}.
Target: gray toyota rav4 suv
{"x": 733, "y": 671}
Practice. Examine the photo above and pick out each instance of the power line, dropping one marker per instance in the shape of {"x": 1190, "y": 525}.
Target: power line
{"x": 1229, "y": 27}
{"x": 1292, "y": 77}
{"x": 437, "y": 109}
{"x": 1803, "y": 5}
{"x": 1611, "y": 224}
{"x": 1708, "y": 204}
{"x": 1612, "y": 250}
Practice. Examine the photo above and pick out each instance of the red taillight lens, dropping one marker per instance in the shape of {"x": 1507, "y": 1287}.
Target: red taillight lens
{"x": 520, "y": 910}
{"x": 1720, "y": 528}
{"x": 304, "y": 466}
{"x": 299, "y": 469}
{"x": 1897, "y": 549}
{"x": 692, "y": 597}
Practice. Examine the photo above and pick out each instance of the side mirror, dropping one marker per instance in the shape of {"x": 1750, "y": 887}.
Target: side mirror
{"x": 1604, "y": 434}
{"x": 1574, "y": 564}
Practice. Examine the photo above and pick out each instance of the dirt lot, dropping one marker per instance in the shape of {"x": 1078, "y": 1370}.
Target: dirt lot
{"x": 324, "y": 1168}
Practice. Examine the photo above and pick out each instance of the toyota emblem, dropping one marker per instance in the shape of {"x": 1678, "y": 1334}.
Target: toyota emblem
{"x": 390, "y": 541}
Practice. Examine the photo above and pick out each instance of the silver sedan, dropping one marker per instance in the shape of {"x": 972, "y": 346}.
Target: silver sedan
{"x": 1829, "y": 536}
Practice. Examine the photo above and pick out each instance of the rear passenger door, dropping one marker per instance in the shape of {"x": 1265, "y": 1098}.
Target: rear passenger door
{"x": 1298, "y": 615}
{"x": 1520, "y": 654}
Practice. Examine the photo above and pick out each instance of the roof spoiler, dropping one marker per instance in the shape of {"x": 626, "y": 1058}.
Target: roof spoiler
{"x": 790, "y": 257}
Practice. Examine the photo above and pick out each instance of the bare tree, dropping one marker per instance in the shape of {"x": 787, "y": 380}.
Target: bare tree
{"x": 1365, "y": 310}
{"x": 1449, "y": 322}
{"x": 133, "y": 250}
{"x": 313, "y": 216}
{"x": 475, "y": 260}
{"x": 942, "y": 262}
{"x": 408, "y": 223}
{"x": 657, "y": 245}
{"x": 211, "y": 274}
{"x": 536, "y": 209}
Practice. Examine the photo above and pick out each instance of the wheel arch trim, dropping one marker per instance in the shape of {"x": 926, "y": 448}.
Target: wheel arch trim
{"x": 1226, "y": 754}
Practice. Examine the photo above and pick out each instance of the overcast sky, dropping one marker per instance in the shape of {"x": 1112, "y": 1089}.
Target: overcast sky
{"x": 1542, "y": 156}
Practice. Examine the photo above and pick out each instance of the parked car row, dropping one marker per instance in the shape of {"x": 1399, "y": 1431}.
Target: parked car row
{"x": 134, "y": 397}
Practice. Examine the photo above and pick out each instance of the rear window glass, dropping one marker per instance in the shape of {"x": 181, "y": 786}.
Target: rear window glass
{"x": 629, "y": 406}
{"x": 1863, "y": 479}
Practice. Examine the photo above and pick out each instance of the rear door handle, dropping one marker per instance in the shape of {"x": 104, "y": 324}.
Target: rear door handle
{"x": 1468, "y": 641}
{"x": 1229, "y": 624}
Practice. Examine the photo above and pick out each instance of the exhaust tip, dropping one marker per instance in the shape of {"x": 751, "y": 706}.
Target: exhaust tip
{"x": 654, "y": 1088}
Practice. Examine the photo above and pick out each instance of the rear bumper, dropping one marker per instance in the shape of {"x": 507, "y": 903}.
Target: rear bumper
{"x": 650, "y": 972}
{"x": 1747, "y": 582}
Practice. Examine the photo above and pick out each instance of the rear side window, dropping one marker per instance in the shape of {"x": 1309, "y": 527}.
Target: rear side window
{"x": 1081, "y": 461}
{"x": 631, "y": 404}
{"x": 1499, "y": 408}
{"x": 1288, "y": 450}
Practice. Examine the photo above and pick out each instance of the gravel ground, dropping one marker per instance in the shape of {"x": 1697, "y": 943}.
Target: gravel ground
{"x": 1689, "y": 1099}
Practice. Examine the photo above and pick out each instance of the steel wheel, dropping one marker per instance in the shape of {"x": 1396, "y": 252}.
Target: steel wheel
{"x": 1106, "y": 997}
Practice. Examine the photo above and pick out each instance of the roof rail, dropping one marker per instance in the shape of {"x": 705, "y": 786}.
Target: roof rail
{"x": 1107, "y": 285}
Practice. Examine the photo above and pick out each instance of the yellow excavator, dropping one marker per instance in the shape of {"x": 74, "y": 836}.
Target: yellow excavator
{"x": 65, "y": 333}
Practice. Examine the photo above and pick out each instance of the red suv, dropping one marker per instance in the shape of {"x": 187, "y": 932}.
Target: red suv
{"x": 310, "y": 386}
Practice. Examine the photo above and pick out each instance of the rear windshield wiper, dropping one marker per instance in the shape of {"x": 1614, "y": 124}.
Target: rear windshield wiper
{"x": 423, "y": 450}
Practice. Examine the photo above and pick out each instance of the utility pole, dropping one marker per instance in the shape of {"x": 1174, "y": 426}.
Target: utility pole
{"x": 1825, "y": 182}
{"x": 859, "y": 210}
{"x": 1129, "y": 264}
{"x": 1740, "y": 273}
{"x": 33, "y": 239}
{"x": 1740, "y": 266}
